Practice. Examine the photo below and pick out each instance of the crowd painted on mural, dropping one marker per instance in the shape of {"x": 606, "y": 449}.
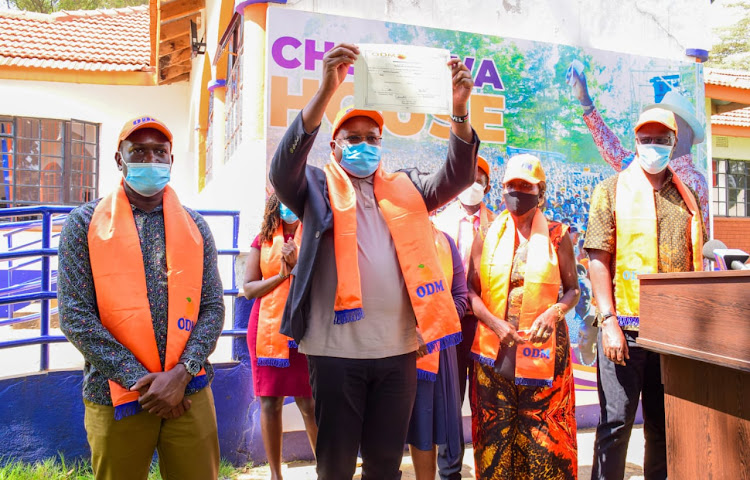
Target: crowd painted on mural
{"x": 382, "y": 298}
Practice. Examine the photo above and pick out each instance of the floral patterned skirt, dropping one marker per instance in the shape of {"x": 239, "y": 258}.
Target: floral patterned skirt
{"x": 525, "y": 432}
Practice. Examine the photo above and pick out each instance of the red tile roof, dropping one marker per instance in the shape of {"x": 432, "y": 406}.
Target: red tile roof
{"x": 728, "y": 78}
{"x": 735, "y": 118}
{"x": 94, "y": 40}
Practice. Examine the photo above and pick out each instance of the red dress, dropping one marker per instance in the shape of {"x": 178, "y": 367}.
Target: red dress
{"x": 291, "y": 381}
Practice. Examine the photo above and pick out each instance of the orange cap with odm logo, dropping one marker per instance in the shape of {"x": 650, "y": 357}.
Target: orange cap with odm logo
{"x": 144, "y": 121}
{"x": 524, "y": 167}
{"x": 351, "y": 112}
{"x": 657, "y": 115}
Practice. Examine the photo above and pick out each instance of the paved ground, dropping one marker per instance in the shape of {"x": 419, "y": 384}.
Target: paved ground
{"x": 306, "y": 470}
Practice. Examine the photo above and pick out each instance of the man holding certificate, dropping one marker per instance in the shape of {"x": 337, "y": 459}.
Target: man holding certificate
{"x": 368, "y": 272}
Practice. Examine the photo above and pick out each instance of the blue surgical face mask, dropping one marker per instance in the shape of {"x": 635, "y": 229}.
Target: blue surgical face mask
{"x": 653, "y": 158}
{"x": 148, "y": 179}
{"x": 360, "y": 160}
{"x": 287, "y": 216}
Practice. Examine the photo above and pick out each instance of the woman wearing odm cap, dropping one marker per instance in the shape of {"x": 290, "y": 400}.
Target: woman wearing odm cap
{"x": 522, "y": 394}
{"x": 366, "y": 259}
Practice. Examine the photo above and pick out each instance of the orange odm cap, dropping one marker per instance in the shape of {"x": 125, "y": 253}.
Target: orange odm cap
{"x": 351, "y": 112}
{"x": 482, "y": 163}
{"x": 525, "y": 167}
{"x": 657, "y": 115}
{"x": 144, "y": 121}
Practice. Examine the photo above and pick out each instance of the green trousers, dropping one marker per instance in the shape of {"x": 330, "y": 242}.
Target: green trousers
{"x": 188, "y": 446}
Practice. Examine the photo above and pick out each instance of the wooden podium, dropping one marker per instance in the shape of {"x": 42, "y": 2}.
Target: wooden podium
{"x": 700, "y": 323}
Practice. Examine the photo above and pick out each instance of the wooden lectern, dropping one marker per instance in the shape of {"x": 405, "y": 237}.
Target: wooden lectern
{"x": 700, "y": 323}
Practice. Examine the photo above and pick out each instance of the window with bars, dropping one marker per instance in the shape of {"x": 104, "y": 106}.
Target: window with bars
{"x": 48, "y": 161}
{"x": 233, "y": 129}
{"x": 209, "y": 167}
{"x": 730, "y": 188}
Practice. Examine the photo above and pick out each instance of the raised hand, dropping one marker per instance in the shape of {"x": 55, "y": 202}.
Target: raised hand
{"x": 462, "y": 86}
{"x": 336, "y": 63}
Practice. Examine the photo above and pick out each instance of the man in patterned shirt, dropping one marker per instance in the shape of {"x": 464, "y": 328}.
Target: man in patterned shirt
{"x": 141, "y": 298}
{"x": 642, "y": 220}
{"x": 690, "y": 128}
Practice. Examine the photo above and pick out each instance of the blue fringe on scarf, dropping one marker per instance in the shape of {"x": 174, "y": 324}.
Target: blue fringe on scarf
{"x": 292, "y": 344}
{"x": 198, "y": 383}
{"x": 442, "y": 343}
{"x": 425, "y": 375}
{"x": 533, "y": 382}
{"x": 482, "y": 360}
{"x": 273, "y": 362}
{"x": 348, "y": 316}
{"x": 628, "y": 321}
{"x": 127, "y": 409}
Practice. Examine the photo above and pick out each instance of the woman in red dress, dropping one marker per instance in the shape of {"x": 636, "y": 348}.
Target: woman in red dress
{"x": 278, "y": 369}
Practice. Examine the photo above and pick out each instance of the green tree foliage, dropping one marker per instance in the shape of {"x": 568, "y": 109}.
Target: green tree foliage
{"x": 733, "y": 51}
{"x": 49, "y": 6}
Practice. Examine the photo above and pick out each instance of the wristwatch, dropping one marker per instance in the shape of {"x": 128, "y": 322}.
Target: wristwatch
{"x": 193, "y": 367}
{"x": 604, "y": 316}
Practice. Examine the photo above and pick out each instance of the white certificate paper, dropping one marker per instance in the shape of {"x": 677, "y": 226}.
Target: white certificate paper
{"x": 403, "y": 78}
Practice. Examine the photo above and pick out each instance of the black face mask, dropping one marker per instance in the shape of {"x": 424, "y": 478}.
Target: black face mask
{"x": 519, "y": 203}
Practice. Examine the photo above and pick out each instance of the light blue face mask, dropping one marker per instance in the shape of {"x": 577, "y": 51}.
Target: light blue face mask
{"x": 360, "y": 160}
{"x": 148, "y": 179}
{"x": 653, "y": 158}
{"x": 287, "y": 216}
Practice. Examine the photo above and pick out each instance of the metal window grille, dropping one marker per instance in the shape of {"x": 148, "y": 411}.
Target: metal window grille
{"x": 47, "y": 161}
{"x": 730, "y": 188}
{"x": 233, "y": 130}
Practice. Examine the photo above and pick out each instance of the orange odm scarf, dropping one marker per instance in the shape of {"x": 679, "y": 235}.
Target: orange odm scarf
{"x": 535, "y": 363}
{"x": 405, "y": 213}
{"x": 637, "y": 238}
{"x": 428, "y": 365}
{"x": 271, "y": 347}
{"x": 120, "y": 284}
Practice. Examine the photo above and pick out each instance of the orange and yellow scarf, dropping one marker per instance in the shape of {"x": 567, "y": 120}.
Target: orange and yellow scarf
{"x": 272, "y": 347}
{"x": 535, "y": 363}
{"x": 637, "y": 238}
{"x": 404, "y": 211}
{"x": 120, "y": 284}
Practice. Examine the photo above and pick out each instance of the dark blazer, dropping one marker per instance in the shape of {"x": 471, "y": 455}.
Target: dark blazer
{"x": 303, "y": 189}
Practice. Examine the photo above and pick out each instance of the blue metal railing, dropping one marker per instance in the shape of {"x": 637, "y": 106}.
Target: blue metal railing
{"x": 45, "y": 293}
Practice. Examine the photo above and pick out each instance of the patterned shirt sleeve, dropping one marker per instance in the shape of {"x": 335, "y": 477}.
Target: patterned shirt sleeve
{"x": 600, "y": 232}
{"x": 210, "y": 322}
{"x": 79, "y": 314}
{"x": 606, "y": 141}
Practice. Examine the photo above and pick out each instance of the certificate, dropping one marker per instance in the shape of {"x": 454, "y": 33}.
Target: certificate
{"x": 403, "y": 78}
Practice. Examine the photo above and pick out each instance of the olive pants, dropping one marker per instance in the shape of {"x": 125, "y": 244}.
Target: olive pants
{"x": 188, "y": 446}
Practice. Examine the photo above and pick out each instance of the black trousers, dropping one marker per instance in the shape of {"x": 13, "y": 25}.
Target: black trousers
{"x": 619, "y": 388}
{"x": 362, "y": 405}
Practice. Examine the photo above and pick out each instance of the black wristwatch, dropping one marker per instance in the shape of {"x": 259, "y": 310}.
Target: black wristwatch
{"x": 192, "y": 367}
{"x": 604, "y": 316}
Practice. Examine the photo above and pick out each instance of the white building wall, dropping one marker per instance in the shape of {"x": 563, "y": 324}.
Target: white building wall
{"x": 111, "y": 106}
{"x": 658, "y": 28}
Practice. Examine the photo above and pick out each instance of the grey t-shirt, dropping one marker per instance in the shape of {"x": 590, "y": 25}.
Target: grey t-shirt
{"x": 389, "y": 326}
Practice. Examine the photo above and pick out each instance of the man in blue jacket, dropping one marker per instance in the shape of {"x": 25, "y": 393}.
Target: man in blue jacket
{"x": 363, "y": 373}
